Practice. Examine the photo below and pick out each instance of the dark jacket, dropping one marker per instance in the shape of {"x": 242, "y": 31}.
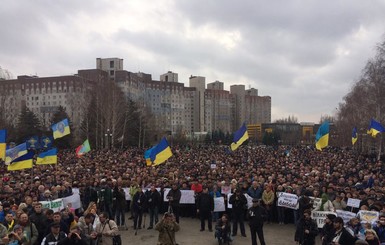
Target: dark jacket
{"x": 345, "y": 237}
{"x": 153, "y": 199}
{"x": 120, "y": 198}
{"x": 205, "y": 202}
{"x": 40, "y": 221}
{"x": 240, "y": 204}
{"x": 139, "y": 202}
{"x": 327, "y": 233}
{"x": 50, "y": 238}
{"x": 301, "y": 236}
{"x": 256, "y": 216}
{"x": 174, "y": 197}
{"x": 73, "y": 241}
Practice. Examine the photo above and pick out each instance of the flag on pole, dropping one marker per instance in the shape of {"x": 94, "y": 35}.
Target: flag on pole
{"x": 33, "y": 143}
{"x": 46, "y": 141}
{"x": 161, "y": 152}
{"x": 15, "y": 152}
{"x": 47, "y": 157}
{"x": 147, "y": 156}
{"x": 322, "y": 136}
{"x": 82, "y": 149}
{"x": 354, "y": 136}
{"x": 375, "y": 128}
{"x": 3, "y": 144}
{"x": 239, "y": 137}
{"x": 61, "y": 129}
{"x": 23, "y": 162}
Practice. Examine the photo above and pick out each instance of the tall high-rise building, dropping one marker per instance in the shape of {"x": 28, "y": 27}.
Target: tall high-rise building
{"x": 110, "y": 65}
{"x": 169, "y": 77}
{"x": 200, "y": 84}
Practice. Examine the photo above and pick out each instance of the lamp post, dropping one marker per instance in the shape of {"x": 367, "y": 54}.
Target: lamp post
{"x": 108, "y": 135}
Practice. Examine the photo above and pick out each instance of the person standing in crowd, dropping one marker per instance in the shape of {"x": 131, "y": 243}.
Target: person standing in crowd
{"x": 105, "y": 198}
{"x": 341, "y": 235}
{"x": 54, "y": 236}
{"x": 154, "y": 200}
{"x": 306, "y": 230}
{"x": 32, "y": 233}
{"x": 167, "y": 228}
{"x": 75, "y": 237}
{"x": 86, "y": 227}
{"x": 239, "y": 202}
{"x": 120, "y": 205}
{"x": 325, "y": 205}
{"x": 173, "y": 197}
{"x": 256, "y": 215}
{"x": 371, "y": 237}
{"x": 215, "y": 193}
{"x": 327, "y": 232}
{"x": 106, "y": 229}
{"x": 132, "y": 191}
{"x": 17, "y": 236}
{"x": 379, "y": 227}
{"x": 268, "y": 200}
{"x": 9, "y": 221}
{"x": 139, "y": 205}
{"x": 39, "y": 219}
{"x": 280, "y": 210}
{"x": 339, "y": 203}
{"x": 197, "y": 188}
{"x": 205, "y": 207}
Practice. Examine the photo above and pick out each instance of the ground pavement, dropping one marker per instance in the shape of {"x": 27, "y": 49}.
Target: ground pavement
{"x": 189, "y": 234}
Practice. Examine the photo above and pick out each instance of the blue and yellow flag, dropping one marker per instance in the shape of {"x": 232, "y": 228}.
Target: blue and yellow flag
{"x": 354, "y": 136}
{"x": 3, "y": 144}
{"x": 15, "y": 152}
{"x": 147, "y": 156}
{"x": 47, "y": 157}
{"x": 160, "y": 153}
{"x": 46, "y": 141}
{"x": 239, "y": 137}
{"x": 322, "y": 136}
{"x": 61, "y": 129}
{"x": 33, "y": 143}
{"x": 23, "y": 162}
{"x": 375, "y": 128}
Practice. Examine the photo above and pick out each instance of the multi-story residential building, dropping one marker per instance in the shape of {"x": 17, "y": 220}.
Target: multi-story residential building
{"x": 43, "y": 96}
{"x": 110, "y": 65}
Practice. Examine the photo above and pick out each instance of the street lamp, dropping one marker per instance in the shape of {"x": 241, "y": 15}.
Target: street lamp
{"x": 108, "y": 135}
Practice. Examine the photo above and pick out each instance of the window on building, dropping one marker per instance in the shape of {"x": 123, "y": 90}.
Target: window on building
{"x": 112, "y": 64}
{"x": 112, "y": 73}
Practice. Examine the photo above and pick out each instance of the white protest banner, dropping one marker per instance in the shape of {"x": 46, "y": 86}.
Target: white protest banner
{"x": 287, "y": 200}
{"x": 219, "y": 204}
{"x": 345, "y": 215}
{"x": 368, "y": 216}
{"x": 225, "y": 190}
{"x": 228, "y": 200}
{"x": 187, "y": 196}
{"x": 249, "y": 201}
{"x": 73, "y": 200}
{"x": 316, "y": 201}
{"x": 213, "y": 166}
{"x": 75, "y": 191}
{"x": 355, "y": 203}
{"x": 56, "y": 205}
{"x": 320, "y": 216}
{"x": 127, "y": 192}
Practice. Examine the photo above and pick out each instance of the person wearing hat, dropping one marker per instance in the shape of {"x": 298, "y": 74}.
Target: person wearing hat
{"x": 327, "y": 232}
{"x": 371, "y": 237}
{"x": 55, "y": 235}
{"x": 239, "y": 202}
{"x": 174, "y": 196}
{"x": 341, "y": 235}
{"x": 256, "y": 215}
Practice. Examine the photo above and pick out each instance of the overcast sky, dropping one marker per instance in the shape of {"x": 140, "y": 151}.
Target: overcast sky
{"x": 306, "y": 55}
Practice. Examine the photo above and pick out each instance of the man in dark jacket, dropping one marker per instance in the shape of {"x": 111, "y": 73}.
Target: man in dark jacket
{"x": 139, "y": 206}
{"x": 120, "y": 205}
{"x": 239, "y": 202}
{"x": 341, "y": 235}
{"x": 205, "y": 208}
{"x": 256, "y": 215}
{"x": 307, "y": 229}
{"x": 327, "y": 232}
{"x": 39, "y": 219}
{"x": 154, "y": 200}
{"x": 173, "y": 197}
{"x": 54, "y": 236}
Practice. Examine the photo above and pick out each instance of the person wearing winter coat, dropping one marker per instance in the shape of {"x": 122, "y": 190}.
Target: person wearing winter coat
{"x": 306, "y": 230}
{"x": 106, "y": 229}
{"x": 205, "y": 208}
{"x": 325, "y": 205}
{"x": 239, "y": 202}
{"x": 154, "y": 201}
{"x": 256, "y": 215}
{"x": 167, "y": 228}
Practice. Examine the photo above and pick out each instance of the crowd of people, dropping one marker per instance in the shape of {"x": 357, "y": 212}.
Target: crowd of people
{"x": 334, "y": 175}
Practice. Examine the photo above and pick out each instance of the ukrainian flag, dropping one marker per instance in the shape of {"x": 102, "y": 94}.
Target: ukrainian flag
{"x": 239, "y": 137}
{"x": 47, "y": 157}
{"x": 26, "y": 161}
{"x": 147, "y": 156}
{"x": 3, "y": 145}
{"x": 61, "y": 129}
{"x": 322, "y": 136}
{"x": 354, "y": 136}
{"x": 15, "y": 152}
{"x": 160, "y": 153}
{"x": 375, "y": 128}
